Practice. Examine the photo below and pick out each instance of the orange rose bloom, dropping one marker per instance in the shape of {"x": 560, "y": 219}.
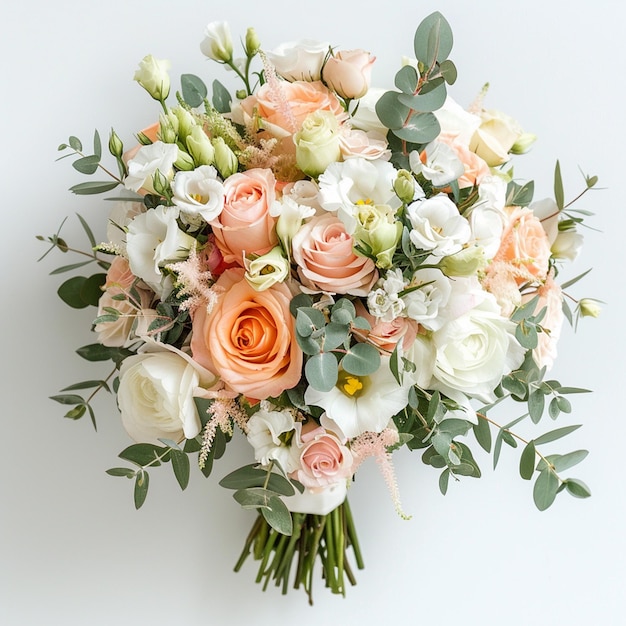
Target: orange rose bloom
{"x": 248, "y": 338}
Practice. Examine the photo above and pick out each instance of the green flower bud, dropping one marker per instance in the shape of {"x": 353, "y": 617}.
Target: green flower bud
{"x": 161, "y": 184}
{"x": 404, "y": 186}
{"x": 184, "y": 161}
{"x": 167, "y": 129}
{"x": 116, "y": 147}
{"x": 589, "y": 307}
{"x": 523, "y": 143}
{"x": 199, "y": 147}
{"x": 225, "y": 159}
{"x": 252, "y": 42}
{"x": 186, "y": 122}
{"x": 466, "y": 262}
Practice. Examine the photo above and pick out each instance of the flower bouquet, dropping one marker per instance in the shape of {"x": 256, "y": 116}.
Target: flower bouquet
{"x": 336, "y": 271}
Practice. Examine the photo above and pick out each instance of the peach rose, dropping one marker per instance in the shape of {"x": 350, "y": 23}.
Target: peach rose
{"x": 324, "y": 460}
{"x": 245, "y": 225}
{"x": 280, "y": 120}
{"x": 151, "y": 132}
{"x": 525, "y": 245}
{"x": 326, "y": 260}
{"x": 348, "y": 73}
{"x": 248, "y": 338}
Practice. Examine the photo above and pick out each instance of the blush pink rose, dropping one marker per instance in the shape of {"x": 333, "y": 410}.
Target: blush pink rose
{"x": 525, "y": 245}
{"x": 248, "y": 338}
{"x": 282, "y": 120}
{"x": 245, "y": 226}
{"x": 348, "y": 73}
{"x": 323, "y": 459}
{"x": 326, "y": 260}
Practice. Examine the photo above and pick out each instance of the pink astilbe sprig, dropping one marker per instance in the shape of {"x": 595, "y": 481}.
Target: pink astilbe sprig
{"x": 277, "y": 93}
{"x": 194, "y": 281}
{"x": 224, "y": 412}
{"x": 377, "y": 445}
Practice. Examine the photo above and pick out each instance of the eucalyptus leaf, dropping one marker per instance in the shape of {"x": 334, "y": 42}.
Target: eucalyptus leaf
{"x": 536, "y": 405}
{"x": 68, "y": 399}
{"x": 87, "y": 165}
{"x": 91, "y": 188}
{"x": 141, "y": 488}
{"x": 251, "y": 476}
{"x": 390, "y": 111}
{"x": 406, "y": 79}
{"x": 448, "y": 71}
{"x": 221, "y": 97}
{"x": 482, "y": 432}
{"x": 433, "y": 39}
{"x": 194, "y": 90}
{"x": 545, "y": 489}
{"x": 321, "y": 371}
{"x": 278, "y": 516}
{"x": 334, "y": 335}
{"x": 142, "y": 454}
{"x": 69, "y": 268}
{"x": 431, "y": 101}
{"x": 566, "y": 461}
{"x": 443, "y": 481}
{"x": 421, "y": 128}
{"x": 70, "y": 292}
{"x": 88, "y": 384}
{"x": 527, "y": 461}
{"x": 126, "y": 472}
{"x": 180, "y": 465}
{"x": 577, "y": 488}
{"x": 75, "y": 143}
{"x": 362, "y": 360}
{"x": 553, "y": 435}
{"x": 559, "y": 194}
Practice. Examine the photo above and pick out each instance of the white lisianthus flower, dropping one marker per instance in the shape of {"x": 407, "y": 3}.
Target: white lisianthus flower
{"x": 442, "y": 165}
{"x": 475, "y": 350}
{"x": 365, "y": 117}
{"x": 120, "y": 216}
{"x": 270, "y": 433}
{"x": 153, "y": 240}
{"x": 492, "y": 192}
{"x": 299, "y": 60}
{"x": 437, "y": 225}
{"x": 432, "y": 293}
{"x": 218, "y": 42}
{"x": 199, "y": 192}
{"x": 304, "y": 192}
{"x": 361, "y": 403}
{"x": 267, "y": 270}
{"x": 567, "y": 245}
{"x": 346, "y": 185}
{"x": 422, "y": 354}
{"x": 142, "y": 167}
{"x": 153, "y": 77}
{"x": 156, "y": 397}
{"x": 487, "y": 225}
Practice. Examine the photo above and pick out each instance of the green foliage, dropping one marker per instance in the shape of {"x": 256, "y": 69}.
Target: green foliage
{"x": 194, "y": 90}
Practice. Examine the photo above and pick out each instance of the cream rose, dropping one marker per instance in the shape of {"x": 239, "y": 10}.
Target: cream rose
{"x": 317, "y": 143}
{"x": 246, "y": 225}
{"x": 299, "y": 60}
{"x": 326, "y": 260}
{"x": 155, "y": 397}
{"x": 248, "y": 338}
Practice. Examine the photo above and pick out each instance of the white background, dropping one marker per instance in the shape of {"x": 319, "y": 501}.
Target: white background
{"x": 74, "y": 550}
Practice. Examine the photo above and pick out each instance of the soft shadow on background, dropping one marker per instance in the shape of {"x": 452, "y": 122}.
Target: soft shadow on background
{"x": 74, "y": 550}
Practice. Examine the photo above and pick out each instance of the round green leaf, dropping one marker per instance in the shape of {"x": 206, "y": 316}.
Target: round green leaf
{"x": 362, "y": 360}
{"x": 406, "y": 79}
{"x": 321, "y": 371}
{"x": 390, "y": 111}
{"x": 421, "y": 128}
{"x": 92, "y": 289}
{"x": 430, "y": 101}
{"x": 70, "y": 292}
{"x": 433, "y": 39}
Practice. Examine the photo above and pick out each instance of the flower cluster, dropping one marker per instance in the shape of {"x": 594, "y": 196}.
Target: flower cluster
{"x": 335, "y": 270}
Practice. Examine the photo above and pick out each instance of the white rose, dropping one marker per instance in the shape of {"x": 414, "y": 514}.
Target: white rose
{"x": 152, "y": 241}
{"x": 437, "y": 225}
{"x": 457, "y": 123}
{"x": 299, "y": 60}
{"x": 567, "y": 245}
{"x": 423, "y": 304}
{"x": 475, "y": 350}
{"x": 155, "y": 397}
{"x": 199, "y": 192}
{"x": 142, "y": 167}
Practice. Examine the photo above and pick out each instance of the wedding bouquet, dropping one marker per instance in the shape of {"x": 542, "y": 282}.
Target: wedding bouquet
{"x": 336, "y": 271}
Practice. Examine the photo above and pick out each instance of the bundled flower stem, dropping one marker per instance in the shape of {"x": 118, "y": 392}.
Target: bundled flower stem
{"x": 327, "y": 536}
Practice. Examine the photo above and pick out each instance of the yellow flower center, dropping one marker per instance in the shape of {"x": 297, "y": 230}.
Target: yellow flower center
{"x": 199, "y": 198}
{"x": 351, "y": 385}
{"x": 267, "y": 269}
